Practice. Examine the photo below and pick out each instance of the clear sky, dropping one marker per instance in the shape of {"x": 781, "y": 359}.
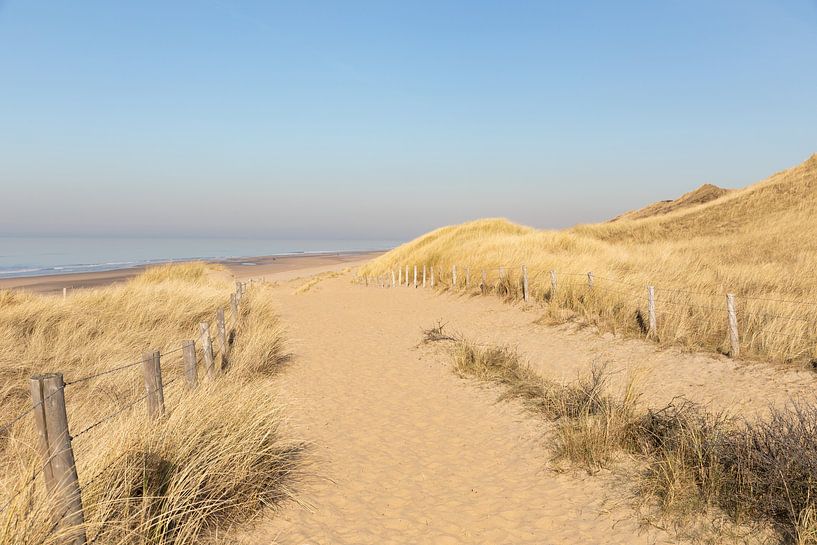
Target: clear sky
{"x": 384, "y": 119}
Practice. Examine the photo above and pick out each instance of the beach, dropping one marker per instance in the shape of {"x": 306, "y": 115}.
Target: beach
{"x": 288, "y": 266}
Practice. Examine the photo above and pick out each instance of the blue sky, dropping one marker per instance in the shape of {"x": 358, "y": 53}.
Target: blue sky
{"x": 386, "y": 119}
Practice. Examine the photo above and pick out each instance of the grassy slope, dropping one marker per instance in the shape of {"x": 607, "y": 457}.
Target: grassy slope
{"x": 215, "y": 459}
{"x": 755, "y": 242}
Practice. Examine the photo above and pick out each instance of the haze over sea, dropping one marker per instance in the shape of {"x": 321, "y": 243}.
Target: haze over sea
{"x": 39, "y": 256}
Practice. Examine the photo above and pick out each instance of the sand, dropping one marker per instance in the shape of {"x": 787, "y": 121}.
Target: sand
{"x": 406, "y": 452}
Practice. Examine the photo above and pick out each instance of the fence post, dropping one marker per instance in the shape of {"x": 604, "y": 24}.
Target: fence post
{"x": 733, "y": 325}
{"x": 432, "y": 276}
{"x": 484, "y": 286}
{"x": 54, "y": 444}
{"x": 207, "y": 349}
{"x": 238, "y": 290}
{"x": 651, "y": 303}
{"x": 525, "y": 292}
{"x": 64, "y": 293}
{"x": 454, "y": 277}
{"x": 393, "y": 279}
{"x": 590, "y": 280}
{"x": 221, "y": 330}
{"x": 415, "y": 276}
{"x": 467, "y": 277}
{"x": 553, "y": 284}
{"x": 424, "y": 276}
{"x": 152, "y": 369}
{"x": 399, "y": 276}
{"x": 190, "y": 371}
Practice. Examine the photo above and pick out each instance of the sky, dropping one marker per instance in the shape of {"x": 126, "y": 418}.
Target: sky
{"x": 385, "y": 119}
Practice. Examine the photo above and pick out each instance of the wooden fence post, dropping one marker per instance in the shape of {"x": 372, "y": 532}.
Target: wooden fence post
{"x": 734, "y": 339}
{"x": 525, "y": 292}
{"x": 393, "y": 279}
{"x": 221, "y": 330}
{"x": 190, "y": 372}
{"x": 415, "y": 276}
{"x": 399, "y": 276}
{"x": 467, "y": 277}
{"x": 54, "y": 445}
{"x": 407, "y": 276}
{"x": 432, "y": 276}
{"x": 64, "y": 293}
{"x": 553, "y": 284}
{"x": 152, "y": 370}
{"x": 651, "y": 304}
{"x": 424, "y": 276}
{"x": 454, "y": 277}
{"x": 590, "y": 280}
{"x": 207, "y": 349}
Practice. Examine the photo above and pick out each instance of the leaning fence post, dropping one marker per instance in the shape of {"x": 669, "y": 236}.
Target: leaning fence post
{"x": 234, "y": 311}
{"x": 207, "y": 349}
{"x": 152, "y": 370}
{"x": 590, "y": 280}
{"x": 54, "y": 444}
{"x": 190, "y": 373}
{"x": 415, "y": 276}
{"x": 221, "y": 330}
{"x": 734, "y": 339}
{"x": 454, "y": 277}
{"x": 525, "y": 292}
{"x": 553, "y": 284}
{"x": 651, "y": 304}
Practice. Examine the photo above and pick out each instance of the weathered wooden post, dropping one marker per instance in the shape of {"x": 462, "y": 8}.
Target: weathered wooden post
{"x": 424, "y": 276}
{"x": 152, "y": 370}
{"x": 393, "y": 279}
{"x": 590, "y": 280}
{"x": 54, "y": 445}
{"x": 64, "y": 293}
{"x": 221, "y": 331}
{"x": 525, "y": 292}
{"x": 734, "y": 339}
{"x": 238, "y": 290}
{"x": 207, "y": 349}
{"x": 399, "y": 276}
{"x": 407, "y": 276}
{"x": 191, "y": 374}
{"x": 651, "y": 305}
{"x": 432, "y": 277}
{"x": 415, "y": 276}
{"x": 454, "y": 277}
{"x": 553, "y": 284}
{"x": 467, "y": 277}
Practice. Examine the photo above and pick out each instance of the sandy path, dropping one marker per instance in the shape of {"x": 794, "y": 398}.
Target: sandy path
{"x": 409, "y": 452}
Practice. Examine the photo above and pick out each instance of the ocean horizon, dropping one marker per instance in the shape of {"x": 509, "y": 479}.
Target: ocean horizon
{"x": 44, "y": 256}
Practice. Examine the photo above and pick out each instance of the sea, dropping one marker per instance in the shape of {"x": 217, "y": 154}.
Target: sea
{"x": 41, "y": 256}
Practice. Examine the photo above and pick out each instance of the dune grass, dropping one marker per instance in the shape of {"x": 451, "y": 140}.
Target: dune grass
{"x": 760, "y": 473}
{"x": 756, "y": 243}
{"x": 217, "y": 457}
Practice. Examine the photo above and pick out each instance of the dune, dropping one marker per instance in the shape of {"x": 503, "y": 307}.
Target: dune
{"x": 702, "y": 195}
{"x": 756, "y": 243}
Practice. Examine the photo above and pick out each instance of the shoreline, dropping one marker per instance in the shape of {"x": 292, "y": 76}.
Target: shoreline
{"x": 239, "y": 267}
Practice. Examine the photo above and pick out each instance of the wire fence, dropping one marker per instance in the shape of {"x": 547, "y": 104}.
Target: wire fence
{"x": 51, "y": 420}
{"x": 653, "y": 302}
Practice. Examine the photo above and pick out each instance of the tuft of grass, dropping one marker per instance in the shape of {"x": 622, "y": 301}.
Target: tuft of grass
{"x": 215, "y": 459}
{"x": 761, "y": 472}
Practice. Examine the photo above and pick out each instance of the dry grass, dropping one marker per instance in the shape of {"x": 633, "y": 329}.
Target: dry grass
{"x": 214, "y": 460}
{"x": 757, "y": 243}
{"x": 760, "y": 473}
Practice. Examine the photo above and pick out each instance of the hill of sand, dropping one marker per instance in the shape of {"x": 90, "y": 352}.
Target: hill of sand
{"x": 757, "y": 243}
{"x": 702, "y": 195}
